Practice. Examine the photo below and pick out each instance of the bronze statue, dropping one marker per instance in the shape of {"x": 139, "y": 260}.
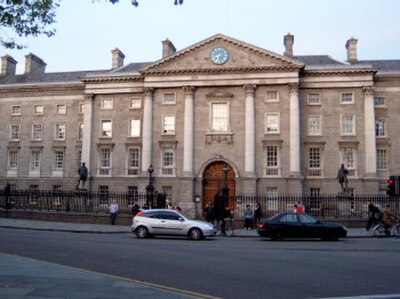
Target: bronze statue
{"x": 83, "y": 175}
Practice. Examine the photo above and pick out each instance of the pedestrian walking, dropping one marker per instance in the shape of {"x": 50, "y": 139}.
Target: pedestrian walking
{"x": 257, "y": 215}
{"x": 373, "y": 215}
{"x": 135, "y": 208}
{"x": 113, "y": 209}
{"x": 248, "y": 218}
{"x": 299, "y": 207}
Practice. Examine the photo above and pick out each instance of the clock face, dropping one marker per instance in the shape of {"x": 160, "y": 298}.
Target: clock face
{"x": 219, "y": 55}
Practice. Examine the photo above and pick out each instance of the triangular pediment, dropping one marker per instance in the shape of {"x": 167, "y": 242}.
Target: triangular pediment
{"x": 241, "y": 57}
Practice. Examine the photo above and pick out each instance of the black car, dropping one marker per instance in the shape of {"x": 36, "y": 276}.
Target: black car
{"x": 294, "y": 225}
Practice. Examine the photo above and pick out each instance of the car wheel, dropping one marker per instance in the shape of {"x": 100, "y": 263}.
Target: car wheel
{"x": 379, "y": 231}
{"x": 142, "y": 232}
{"x": 195, "y": 234}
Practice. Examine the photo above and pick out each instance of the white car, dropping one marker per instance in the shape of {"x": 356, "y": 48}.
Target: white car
{"x": 170, "y": 223}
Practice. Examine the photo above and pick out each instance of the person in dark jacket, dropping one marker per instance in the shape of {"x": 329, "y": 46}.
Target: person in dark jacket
{"x": 373, "y": 212}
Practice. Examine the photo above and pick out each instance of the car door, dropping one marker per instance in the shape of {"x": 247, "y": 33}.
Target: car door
{"x": 289, "y": 226}
{"x": 312, "y": 227}
{"x": 173, "y": 223}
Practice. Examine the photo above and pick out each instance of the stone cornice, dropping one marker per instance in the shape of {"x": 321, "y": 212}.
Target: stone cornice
{"x": 112, "y": 79}
{"x": 329, "y": 72}
{"x": 223, "y": 70}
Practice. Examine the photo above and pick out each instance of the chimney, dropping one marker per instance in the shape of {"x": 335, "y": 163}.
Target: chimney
{"x": 34, "y": 64}
{"x": 351, "y": 47}
{"x": 117, "y": 58}
{"x": 168, "y": 48}
{"x": 8, "y": 65}
{"x": 288, "y": 41}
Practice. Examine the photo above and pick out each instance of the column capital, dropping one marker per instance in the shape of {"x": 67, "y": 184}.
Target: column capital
{"x": 294, "y": 87}
{"x": 148, "y": 91}
{"x": 89, "y": 96}
{"x": 189, "y": 90}
{"x": 368, "y": 90}
{"x": 250, "y": 88}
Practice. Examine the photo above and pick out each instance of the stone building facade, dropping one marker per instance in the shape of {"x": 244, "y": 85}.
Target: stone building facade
{"x": 218, "y": 112}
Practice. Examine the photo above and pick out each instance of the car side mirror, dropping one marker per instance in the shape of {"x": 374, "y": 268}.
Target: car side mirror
{"x": 181, "y": 219}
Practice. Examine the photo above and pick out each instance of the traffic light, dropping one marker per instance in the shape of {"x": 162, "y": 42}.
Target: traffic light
{"x": 393, "y": 186}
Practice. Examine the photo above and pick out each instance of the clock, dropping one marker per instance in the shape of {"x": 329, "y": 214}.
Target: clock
{"x": 219, "y": 55}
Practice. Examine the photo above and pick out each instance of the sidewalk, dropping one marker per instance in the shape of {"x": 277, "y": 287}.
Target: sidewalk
{"x": 118, "y": 229}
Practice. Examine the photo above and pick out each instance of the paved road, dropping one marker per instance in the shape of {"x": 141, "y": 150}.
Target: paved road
{"x": 223, "y": 267}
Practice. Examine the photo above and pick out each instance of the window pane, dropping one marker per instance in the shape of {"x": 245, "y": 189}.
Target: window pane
{"x": 348, "y": 125}
{"x": 272, "y": 123}
{"x": 380, "y": 128}
{"x": 133, "y": 159}
{"x": 219, "y": 117}
{"x": 314, "y": 125}
{"x": 106, "y": 127}
{"x": 58, "y": 160}
{"x": 134, "y": 128}
{"x": 314, "y": 157}
{"x": 169, "y": 124}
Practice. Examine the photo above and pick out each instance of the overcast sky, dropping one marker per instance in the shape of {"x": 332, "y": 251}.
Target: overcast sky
{"x": 87, "y": 30}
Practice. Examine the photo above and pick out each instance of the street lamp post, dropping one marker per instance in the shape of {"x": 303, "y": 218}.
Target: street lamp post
{"x": 225, "y": 188}
{"x": 150, "y": 188}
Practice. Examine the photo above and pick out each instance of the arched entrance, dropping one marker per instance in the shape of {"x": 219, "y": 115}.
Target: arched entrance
{"x": 214, "y": 181}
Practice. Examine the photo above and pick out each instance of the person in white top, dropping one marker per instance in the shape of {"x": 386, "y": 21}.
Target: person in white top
{"x": 113, "y": 208}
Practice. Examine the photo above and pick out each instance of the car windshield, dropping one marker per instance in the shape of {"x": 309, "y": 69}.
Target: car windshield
{"x": 186, "y": 216}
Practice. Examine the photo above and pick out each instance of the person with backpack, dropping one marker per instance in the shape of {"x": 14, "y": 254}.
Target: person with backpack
{"x": 373, "y": 215}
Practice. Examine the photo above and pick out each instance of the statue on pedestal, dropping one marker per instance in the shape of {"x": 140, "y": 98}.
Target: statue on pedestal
{"x": 83, "y": 175}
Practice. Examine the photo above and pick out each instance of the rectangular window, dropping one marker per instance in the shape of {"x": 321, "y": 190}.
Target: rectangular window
{"x": 348, "y": 125}
{"x": 314, "y": 161}
{"x": 272, "y": 198}
{"x": 61, "y": 109}
{"x": 219, "y": 117}
{"x": 168, "y": 162}
{"x": 16, "y": 110}
{"x": 168, "y": 124}
{"x": 272, "y": 96}
{"x": 133, "y": 161}
{"x": 315, "y": 192}
{"x": 135, "y": 103}
{"x": 381, "y": 159}
{"x": 313, "y": 99}
{"x": 15, "y": 132}
{"x": 38, "y": 109}
{"x": 35, "y": 160}
{"x": 106, "y": 128}
{"x": 169, "y": 99}
{"x": 380, "y": 128}
{"x": 105, "y": 161}
{"x": 104, "y": 194}
{"x": 60, "y": 132}
{"x": 58, "y": 162}
{"x": 314, "y": 125}
{"x": 347, "y": 98}
{"x": 349, "y": 160}
{"x": 13, "y": 158}
{"x": 271, "y": 123}
{"x": 107, "y": 104}
{"x": 80, "y": 131}
{"x": 379, "y": 102}
{"x": 134, "y": 128}
{"x": 271, "y": 160}
{"x": 37, "y": 132}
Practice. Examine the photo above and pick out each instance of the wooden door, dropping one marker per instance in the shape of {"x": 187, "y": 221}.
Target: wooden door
{"x": 214, "y": 180}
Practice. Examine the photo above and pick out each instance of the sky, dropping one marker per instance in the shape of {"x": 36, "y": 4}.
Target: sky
{"x": 87, "y": 30}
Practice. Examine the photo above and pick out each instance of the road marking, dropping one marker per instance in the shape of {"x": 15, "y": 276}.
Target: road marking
{"x": 150, "y": 284}
{"x": 387, "y": 296}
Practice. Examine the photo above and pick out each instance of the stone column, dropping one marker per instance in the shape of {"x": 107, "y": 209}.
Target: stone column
{"x": 369, "y": 131}
{"x": 294, "y": 130}
{"x": 147, "y": 130}
{"x": 87, "y": 131}
{"x": 188, "y": 137}
{"x": 250, "y": 131}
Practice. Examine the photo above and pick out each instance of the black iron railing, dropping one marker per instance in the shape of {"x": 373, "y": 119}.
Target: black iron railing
{"x": 324, "y": 206}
